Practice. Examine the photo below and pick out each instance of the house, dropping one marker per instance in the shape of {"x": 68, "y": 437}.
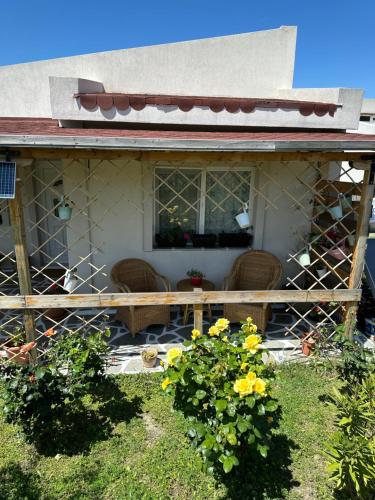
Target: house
{"x": 152, "y": 152}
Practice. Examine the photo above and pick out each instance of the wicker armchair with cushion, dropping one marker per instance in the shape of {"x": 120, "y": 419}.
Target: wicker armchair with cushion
{"x": 136, "y": 275}
{"x": 253, "y": 270}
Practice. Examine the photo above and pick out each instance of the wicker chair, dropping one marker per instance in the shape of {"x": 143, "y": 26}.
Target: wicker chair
{"x": 253, "y": 270}
{"x": 136, "y": 275}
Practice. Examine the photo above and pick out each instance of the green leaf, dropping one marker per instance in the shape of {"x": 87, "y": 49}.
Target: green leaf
{"x": 220, "y": 405}
{"x": 209, "y": 442}
{"x": 243, "y": 425}
{"x": 263, "y": 450}
{"x": 231, "y": 438}
{"x": 228, "y": 464}
{"x": 250, "y": 400}
{"x": 231, "y": 409}
{"x": 271, "y": 405}
{"x": 200, "y": 393}
{"x": 261, "y": 409}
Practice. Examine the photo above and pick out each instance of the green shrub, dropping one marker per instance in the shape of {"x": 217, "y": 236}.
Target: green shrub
{"x": 351, "y": 450}
{"x": 222, "y": 385}
{"x": 41, "y": 398}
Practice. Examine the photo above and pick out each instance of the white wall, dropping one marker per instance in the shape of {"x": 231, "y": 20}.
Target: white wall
{"x": 249, "y": 64}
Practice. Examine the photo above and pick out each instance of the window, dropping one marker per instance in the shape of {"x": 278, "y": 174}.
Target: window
{"x": 192, "y": 202}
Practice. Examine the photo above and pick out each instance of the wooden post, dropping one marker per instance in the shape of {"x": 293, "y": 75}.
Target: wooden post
{"x": 22, "y": 260}
{"x": 198, "y": 314}
{"x": 356, "y": 271}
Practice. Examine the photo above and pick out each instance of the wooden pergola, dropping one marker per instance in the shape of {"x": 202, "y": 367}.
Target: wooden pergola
{"x": 348, "y": 293}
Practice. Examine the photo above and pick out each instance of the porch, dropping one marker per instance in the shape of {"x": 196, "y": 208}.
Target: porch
{"x": 310, "y": 210}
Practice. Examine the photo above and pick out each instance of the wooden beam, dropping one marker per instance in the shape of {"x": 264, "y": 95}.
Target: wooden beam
{"x": 358, "y": 261}
{"x": 113, "y": 154}
{"x": 138, "y": 299}
{"x": 198, "y": 312}
{"x": 22, "y": 260}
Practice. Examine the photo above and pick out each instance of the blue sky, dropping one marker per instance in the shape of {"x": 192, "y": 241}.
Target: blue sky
{"x": 335, "y": 45}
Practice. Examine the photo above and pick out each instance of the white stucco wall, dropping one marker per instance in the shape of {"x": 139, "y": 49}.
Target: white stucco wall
{"x": 249, "y": 64}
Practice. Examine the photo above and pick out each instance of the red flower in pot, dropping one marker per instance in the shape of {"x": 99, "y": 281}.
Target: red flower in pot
{"x": 195, "y": 276}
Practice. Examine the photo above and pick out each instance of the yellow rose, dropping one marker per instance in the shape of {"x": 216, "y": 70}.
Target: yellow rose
{"x": 222, "y": 324}
{"x": 260, "y": 386}
{"x": 252, "y": 343}
{"x": 250, "y": 329}
{"x": 161, "y": 362}
{"x": 249, "y": 319}
{"x": 165, "y": 383}
{"x": 251, "y": 376}
{"x": 213, "y": 330}
{"x": 225, "y": 339}
{"x": 195, "y": 334}
{"x": 173, "y": 354}
{"x": 244, "y": 365}
{"x": 243, "y": 387}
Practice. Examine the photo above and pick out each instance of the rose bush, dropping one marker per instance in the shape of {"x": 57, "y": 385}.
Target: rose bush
{"x": 223, "y": 386}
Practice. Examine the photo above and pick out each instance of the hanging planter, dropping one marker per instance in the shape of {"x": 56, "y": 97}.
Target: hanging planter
{"x": 243, "y": 219}
{"x": 304, "y": 258}
{"x": 64, "y": 209}
{"x": 322, "y": 271}
{"x": 70, "y": 281}
{"x": 336, "y": 211}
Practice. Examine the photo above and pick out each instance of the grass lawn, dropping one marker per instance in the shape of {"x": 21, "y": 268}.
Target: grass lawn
{"x": 147, "y": 456}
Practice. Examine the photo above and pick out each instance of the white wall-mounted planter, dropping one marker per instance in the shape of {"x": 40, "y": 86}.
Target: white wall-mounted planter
{"x": 321, "y": 272}
{"x": 304, "y": 259}
{"x": 65, "y": 212}
{"x": 70, "y": 282}
{"x": 243, "y": 220}
{"x": 336, "y": 212}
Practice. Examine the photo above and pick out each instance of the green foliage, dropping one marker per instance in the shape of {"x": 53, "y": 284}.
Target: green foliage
{"x": 40, "y": 399}
{"x": 355, "y": 362}
{"x": 222, "y": 386}
{"x": 194, "y": 273}
{"x": 351, "y": 450}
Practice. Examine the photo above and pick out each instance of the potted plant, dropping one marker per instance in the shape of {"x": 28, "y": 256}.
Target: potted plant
{"x": 203, "y": 240}
{"x": 64, "y": 208}
{"x": 195, "y": 276}
{"x": 149, "y": 357}
{"x": 175, "y": 236}
{"x": 17, "y": 350}
{"x": 308, "y": 343}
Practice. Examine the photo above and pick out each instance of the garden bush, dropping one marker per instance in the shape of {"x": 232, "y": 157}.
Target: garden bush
{"x": 222, "y": 385}
{"x": 42, "y": 399}
{"x": 351, "y": 449}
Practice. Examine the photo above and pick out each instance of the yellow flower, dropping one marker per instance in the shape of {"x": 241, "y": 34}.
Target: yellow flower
{"x": 165, "y": 383}
{"x": 161, "y": 362}
{"x": 249, "y": 319}
{"x": 225, "y": 339}
{"x": 243, "y": 386}
{"x": 213, "y": 330}
{"x": 250, "y": 329}
{"x": 251, "y": 376}
{"x": 260, "y": 386}
{"x": 222, "y": 324}
{"x": 195, "y": 334}
{"x": 244, "y": 365}
{"x": 252, "y": 343}
{"x": 270, "y": 419}
{"x": 173, "y": 354}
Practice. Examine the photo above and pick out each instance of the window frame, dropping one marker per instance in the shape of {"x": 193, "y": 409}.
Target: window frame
{"x": 151, "y": 206}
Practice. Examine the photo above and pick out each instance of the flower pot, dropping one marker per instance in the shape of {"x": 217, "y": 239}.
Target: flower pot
{"x": 304, "y": 259}
{"x": 203, "y": 240}
{"x": 17, "y": 356}
{"x": 150, "y": 363}
{"x": 196, "y": 280}
{"x": 234, "y": 240}
{"x": 336, "y": 212}
{"x": 65, "y": 212}
{"x": 167, "y": 241}
{"x": 243, "y": 220}
{"x": 308, "y": 346}
{"x": 321, "y": 272}
{"x": 70, "y": 282}
{"x": 351, "y": 240}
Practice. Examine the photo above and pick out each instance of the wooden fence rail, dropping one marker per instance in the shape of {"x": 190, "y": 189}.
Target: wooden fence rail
{"x": 180, "y": 298}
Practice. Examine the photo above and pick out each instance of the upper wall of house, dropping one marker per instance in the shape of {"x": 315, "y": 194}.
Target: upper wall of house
{"x": 245, "y": 65}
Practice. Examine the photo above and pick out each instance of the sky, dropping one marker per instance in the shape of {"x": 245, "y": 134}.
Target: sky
{"x": 335, "y": 42}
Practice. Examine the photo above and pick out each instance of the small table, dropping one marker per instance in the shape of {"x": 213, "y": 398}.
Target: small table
{"x": 186, "y": 286}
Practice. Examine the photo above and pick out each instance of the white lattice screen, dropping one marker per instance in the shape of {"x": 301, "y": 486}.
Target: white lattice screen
{"x": 304, "y": 213}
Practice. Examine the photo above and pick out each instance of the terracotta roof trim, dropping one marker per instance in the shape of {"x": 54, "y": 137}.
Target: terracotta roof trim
{"x": 122, "y": 102}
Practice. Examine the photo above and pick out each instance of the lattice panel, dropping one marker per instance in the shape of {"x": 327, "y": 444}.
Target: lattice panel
{"x": 307, "y": 216}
